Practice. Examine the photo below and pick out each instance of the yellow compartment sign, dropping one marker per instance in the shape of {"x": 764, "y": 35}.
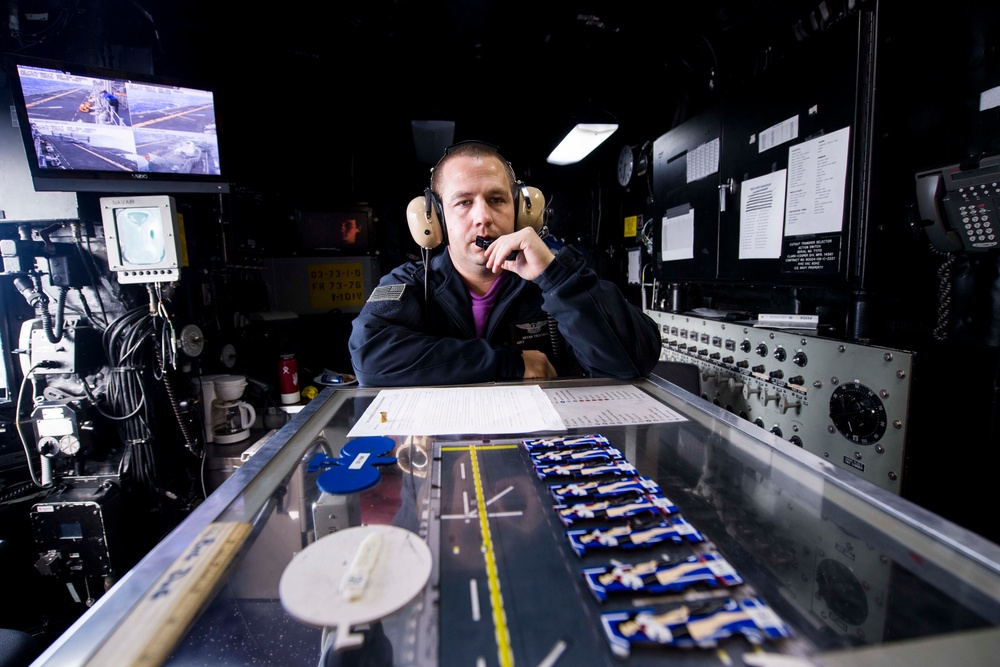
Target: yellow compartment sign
{"x": 336, "y": 285}
{"x": 631, "y": 225}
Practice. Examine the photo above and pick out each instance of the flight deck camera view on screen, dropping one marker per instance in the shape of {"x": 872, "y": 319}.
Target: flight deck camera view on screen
{"x": 85, "y": 123}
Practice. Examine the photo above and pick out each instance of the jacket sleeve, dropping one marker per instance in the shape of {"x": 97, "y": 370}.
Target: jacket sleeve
{"x": 609, "y": 336}
{"x": 390, "y": 345}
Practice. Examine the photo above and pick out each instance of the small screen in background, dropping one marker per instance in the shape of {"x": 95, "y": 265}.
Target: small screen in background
{"x": 70, "y": 531}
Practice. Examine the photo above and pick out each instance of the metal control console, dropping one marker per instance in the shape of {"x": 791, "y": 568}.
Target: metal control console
{"x": 845, "y": 402}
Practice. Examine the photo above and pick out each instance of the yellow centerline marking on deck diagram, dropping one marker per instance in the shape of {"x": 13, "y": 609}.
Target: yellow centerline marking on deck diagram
{"x": 496, "y": 598}
{"x": 463, "y": 448}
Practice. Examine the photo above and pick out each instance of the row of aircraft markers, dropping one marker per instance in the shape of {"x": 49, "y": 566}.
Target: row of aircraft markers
{"x": 619, "y": 509}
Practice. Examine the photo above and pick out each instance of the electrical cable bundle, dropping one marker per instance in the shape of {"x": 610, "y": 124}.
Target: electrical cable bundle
{"x": 126, "y": 343}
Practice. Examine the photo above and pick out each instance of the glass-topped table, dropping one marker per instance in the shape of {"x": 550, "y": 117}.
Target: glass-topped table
{"x": 850, "y": 573}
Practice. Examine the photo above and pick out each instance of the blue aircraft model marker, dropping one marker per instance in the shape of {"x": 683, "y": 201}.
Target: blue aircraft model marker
{"x": 355, "y": 468}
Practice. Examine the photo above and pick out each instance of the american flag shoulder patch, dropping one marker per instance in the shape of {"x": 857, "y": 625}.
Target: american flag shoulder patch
{"x": 387, "y": 293}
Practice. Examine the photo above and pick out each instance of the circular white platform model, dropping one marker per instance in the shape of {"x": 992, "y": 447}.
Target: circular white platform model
{"x": 354, "y": 576}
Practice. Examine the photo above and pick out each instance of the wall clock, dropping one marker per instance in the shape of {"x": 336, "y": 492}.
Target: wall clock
{"x": 632, "y": 164}
{"x": 626, "y": 165}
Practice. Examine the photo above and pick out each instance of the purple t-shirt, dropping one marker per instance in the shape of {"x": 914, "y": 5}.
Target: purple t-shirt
{"x": 482, "y": 305}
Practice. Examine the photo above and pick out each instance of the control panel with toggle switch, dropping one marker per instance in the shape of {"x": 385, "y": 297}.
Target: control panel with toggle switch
{"x": 845, "y": 402}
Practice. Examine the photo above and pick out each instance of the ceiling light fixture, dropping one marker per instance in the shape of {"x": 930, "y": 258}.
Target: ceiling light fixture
{"x": 580, "y": 141}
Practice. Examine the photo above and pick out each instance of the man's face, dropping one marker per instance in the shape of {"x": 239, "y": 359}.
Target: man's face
{"x": 349, "y": 230}
{"x": 476, "y": 200}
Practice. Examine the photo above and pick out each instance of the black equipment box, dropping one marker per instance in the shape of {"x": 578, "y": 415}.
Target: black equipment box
{"x": 78, "y": 528}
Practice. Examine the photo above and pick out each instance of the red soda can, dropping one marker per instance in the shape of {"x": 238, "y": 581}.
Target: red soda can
{"x": 288, "y": 379}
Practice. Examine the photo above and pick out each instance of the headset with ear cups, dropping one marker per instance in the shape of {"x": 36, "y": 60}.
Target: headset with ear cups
{"x": 425, "y": 216}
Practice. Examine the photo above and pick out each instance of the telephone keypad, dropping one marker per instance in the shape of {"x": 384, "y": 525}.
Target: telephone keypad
{"x": 973, "y": 211}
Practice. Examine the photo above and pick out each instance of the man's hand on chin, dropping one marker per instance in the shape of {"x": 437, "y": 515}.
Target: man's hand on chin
{"x": 531, "y": 255}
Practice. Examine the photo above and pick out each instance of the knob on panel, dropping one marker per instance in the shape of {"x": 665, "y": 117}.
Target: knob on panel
{"x": 858, "y": 413}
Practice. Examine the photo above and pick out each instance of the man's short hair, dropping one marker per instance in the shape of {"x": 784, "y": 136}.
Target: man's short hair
{"x": 476, "y": 149}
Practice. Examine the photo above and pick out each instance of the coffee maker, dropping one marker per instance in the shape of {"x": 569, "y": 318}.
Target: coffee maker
{"x": 231, "y": 416}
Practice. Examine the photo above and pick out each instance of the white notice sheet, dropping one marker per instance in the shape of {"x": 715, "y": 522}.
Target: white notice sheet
{"x": 677, "y": 234}
{"x": 459, "y": 410}
{"x": 817, "y": 175}
{"x": 762, "y": 212}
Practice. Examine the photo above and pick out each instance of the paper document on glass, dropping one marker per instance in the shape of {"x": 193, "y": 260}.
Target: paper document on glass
{"x": 459, "y": 410}
{"x": 585, "y": 407}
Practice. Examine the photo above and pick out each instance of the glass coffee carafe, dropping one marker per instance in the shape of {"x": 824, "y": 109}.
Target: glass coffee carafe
{"x": 231, "y": 420}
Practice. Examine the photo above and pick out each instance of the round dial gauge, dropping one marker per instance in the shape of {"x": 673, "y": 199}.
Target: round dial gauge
{"x": 69, "y": 445}
{"x": 228, "y": 355}
{"x": 626, "y": 164}
{"x": 839, "y": 587}
{"x": 192, "y": 341}
{"x": 858, "y": 413}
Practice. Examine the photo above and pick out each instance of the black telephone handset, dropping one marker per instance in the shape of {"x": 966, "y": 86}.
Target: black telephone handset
{"x": 959, "y": 206}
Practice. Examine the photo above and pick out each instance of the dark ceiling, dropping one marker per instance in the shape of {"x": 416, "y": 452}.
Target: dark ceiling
{"x": 348, "y": 77}
{"x": 501, "y": 65}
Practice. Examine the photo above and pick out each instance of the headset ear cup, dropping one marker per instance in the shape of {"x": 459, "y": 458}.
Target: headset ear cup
{"x": 530, "y": 208}
{"x": 423, "y": 217}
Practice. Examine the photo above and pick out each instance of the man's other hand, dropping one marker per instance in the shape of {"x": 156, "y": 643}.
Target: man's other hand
{"x": 537, "y": 365}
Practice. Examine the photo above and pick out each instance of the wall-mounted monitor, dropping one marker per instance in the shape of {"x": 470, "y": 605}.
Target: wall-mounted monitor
{"x": 98, "y": 130}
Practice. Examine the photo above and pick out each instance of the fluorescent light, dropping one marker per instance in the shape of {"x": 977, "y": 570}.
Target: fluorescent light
{"x": 580, "y": 141}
